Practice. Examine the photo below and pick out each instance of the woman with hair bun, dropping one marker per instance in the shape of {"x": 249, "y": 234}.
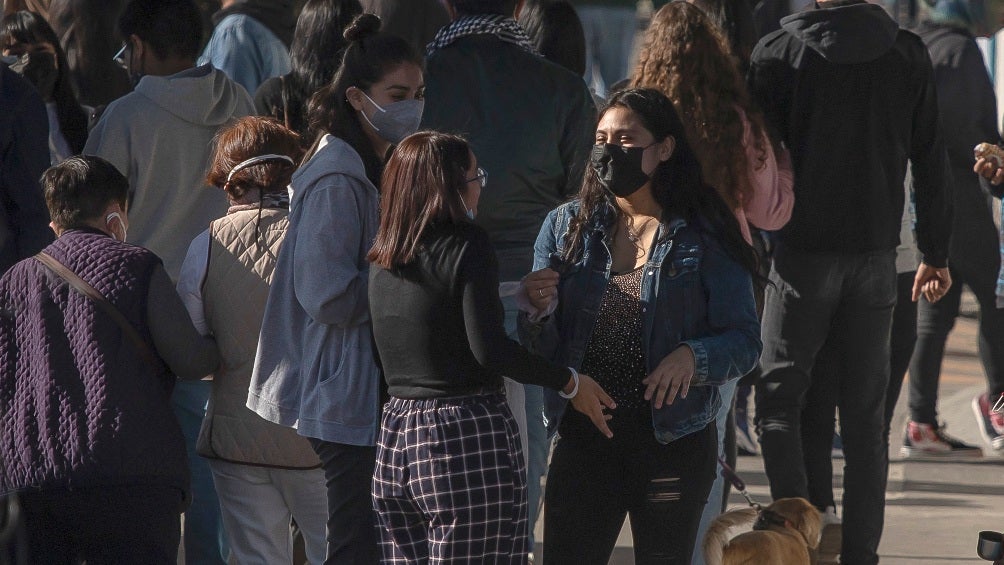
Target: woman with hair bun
{"x": 264, "y": 473}
{"x": 316, "y": 369}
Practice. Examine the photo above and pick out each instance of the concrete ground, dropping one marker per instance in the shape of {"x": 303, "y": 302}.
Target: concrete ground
{"x": 934, "y": 510}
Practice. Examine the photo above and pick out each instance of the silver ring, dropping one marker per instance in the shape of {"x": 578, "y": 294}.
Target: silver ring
{"x": 540, "y": 291}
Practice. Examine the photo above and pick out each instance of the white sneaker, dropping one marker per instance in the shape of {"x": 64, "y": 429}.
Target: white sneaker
{"x": 831, "y": 537}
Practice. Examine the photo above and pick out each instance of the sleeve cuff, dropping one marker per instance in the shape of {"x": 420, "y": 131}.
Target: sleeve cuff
{"x": 518, "y": 291}
{"x": 700, "y": 360}
{"x": 936, "y": 261}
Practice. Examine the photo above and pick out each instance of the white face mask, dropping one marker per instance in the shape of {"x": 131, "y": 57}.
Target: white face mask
{"x": 108, "y": 220}
{"x": 468, "y": 211}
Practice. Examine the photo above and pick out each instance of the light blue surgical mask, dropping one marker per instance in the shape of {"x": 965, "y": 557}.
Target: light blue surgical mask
{"x": 397, "y": 121}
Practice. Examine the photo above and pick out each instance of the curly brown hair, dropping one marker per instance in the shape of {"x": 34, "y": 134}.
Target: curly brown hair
{"x": 687, "y": 57}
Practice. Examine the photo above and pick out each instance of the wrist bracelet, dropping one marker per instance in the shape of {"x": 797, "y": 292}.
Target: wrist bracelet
{"x": 575, "y": 389}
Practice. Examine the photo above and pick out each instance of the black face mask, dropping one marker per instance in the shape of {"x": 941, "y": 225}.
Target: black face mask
{"x": 39, "y": 68}
{"x": 619, "y": 168}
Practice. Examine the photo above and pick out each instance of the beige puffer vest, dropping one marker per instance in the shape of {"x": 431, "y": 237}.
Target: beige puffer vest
{"x": 234, "y": 293}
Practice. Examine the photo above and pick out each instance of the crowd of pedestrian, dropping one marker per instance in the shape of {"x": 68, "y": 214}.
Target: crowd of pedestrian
{"x": 353, "y": 281}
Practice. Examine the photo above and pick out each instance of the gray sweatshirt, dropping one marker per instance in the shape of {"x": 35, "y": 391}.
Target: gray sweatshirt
{"x": 159, "y": 136}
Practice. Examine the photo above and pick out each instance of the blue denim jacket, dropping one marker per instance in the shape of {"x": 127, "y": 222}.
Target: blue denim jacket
{"x": 692, "y": 293}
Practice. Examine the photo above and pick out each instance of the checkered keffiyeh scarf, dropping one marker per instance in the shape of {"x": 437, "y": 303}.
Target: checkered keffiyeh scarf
{"x": 503, "y": 27}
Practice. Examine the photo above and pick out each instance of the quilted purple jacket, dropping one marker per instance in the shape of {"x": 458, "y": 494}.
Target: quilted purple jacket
{"x": 79, "y": 406}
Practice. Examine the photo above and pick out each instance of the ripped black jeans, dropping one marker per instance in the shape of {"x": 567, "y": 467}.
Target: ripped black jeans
{"x": 593, "y": 482}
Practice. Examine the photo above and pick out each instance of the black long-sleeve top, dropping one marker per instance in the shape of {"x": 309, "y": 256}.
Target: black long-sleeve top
{"x": 438, "y": 322}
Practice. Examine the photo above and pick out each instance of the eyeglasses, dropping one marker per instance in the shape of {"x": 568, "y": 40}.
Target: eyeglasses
{"x": 481, "y": 176}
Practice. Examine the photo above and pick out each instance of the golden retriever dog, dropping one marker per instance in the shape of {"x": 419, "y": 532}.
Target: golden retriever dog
{"x": 785, "y": 533}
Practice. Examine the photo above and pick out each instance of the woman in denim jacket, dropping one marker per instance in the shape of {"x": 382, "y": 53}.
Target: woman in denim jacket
{"x": 654, "y": 299}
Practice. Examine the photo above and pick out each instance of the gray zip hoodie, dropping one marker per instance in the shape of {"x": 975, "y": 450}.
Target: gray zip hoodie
{"x": 316, "y": 369}
{"x": 160, "y": 137}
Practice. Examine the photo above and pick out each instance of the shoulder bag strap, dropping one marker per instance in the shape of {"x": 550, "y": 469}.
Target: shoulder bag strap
{"x": 81, "y": 286}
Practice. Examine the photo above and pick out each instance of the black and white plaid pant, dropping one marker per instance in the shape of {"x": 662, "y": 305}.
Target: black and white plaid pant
{"x": 450, "y": 482}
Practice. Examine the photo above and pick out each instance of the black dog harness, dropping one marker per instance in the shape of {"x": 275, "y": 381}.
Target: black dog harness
{"x": 766, "y": 518}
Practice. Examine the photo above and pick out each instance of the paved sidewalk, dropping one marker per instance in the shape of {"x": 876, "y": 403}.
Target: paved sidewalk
{"x": 934, "y": 510}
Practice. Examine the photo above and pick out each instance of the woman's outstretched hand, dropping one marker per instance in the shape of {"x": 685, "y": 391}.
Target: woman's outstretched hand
{"x": 671, "y": 378}
{"x": 591, "y": 401}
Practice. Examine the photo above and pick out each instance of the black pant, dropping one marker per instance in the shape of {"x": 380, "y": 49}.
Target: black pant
{"x": 111, "y": 525}
{"x": 818, "y": 416}
{"x": 815, "y": 298}
{"x": 351, "y": 532}
{"x": 935, "y": 321}
{"x": 593, "y": 482}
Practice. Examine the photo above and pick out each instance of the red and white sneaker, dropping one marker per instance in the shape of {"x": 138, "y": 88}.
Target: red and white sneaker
{"x": 923, "y": 441}
{"x": 991, "y": 423}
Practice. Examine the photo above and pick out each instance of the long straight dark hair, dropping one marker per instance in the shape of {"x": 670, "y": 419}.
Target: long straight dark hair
{"x": 422, "y": 186}
{"x": 315, "y": 55}
{"x": 31, "y": 28}
{"x": 368, "y": 58}
{"x": 89, "y": 35}
{"x": 677, "y": 185}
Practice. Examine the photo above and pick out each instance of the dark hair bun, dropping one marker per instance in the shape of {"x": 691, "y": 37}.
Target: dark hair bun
{"x": 362, "y": 27}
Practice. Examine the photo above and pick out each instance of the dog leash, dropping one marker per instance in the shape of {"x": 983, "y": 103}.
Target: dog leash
{"x": 765, "y": 517}
{"x": 731, "y": 476}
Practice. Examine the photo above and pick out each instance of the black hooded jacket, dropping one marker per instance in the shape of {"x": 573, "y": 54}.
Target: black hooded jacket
{"x": 968, "y": 109}
{"x": 853, "y": 97}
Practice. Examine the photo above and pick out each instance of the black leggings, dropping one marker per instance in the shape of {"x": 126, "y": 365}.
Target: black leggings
{"x": 351, "y": 528}
{"x": 935, "y": 321}
{"x": 593, "y": 482}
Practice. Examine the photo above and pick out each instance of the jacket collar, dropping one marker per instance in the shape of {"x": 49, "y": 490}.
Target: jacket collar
{"x": 503, "y": 27}
{"x": 669, "y": 225}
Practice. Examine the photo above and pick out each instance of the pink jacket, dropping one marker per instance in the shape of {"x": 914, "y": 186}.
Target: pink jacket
{"x": 770, "y": 206}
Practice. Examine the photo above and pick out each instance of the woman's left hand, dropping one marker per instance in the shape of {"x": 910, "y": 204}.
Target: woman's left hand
{"x": 671, "y": 377}
{"x": 541, "y": 288}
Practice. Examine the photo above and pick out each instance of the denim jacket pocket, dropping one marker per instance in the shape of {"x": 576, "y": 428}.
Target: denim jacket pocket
{"x": 686, "y": 415}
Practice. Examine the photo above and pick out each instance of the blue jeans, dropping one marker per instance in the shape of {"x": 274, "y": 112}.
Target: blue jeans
{"x": 817, "y": 297}
{"x": 204, "y": 536}
{"x": 538, "y": 444}
{"x": 714, "y": 506}
{"x": 610, "y": 33}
